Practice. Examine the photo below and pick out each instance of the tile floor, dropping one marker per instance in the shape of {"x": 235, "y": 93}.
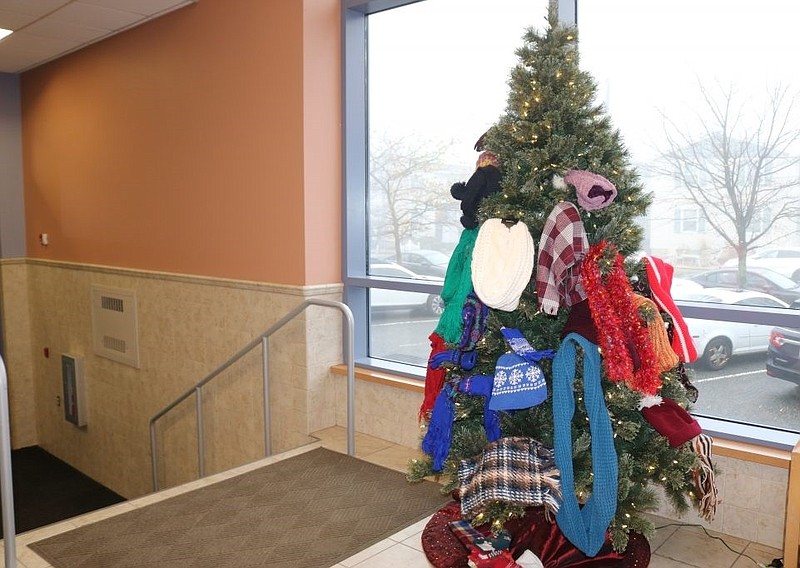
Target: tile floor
{"x": 673, "y": 546}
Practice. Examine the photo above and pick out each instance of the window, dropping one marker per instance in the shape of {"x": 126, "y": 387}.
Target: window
{"x": 417, "y": 98}
{"x": 689, "y": 220}
{"x": 429, "y": 80}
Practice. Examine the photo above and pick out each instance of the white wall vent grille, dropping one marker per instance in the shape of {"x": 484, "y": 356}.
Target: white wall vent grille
{"x": 115, "y": 333}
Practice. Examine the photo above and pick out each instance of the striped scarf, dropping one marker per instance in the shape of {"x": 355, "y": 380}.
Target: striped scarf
{"x": 703, "y": 474}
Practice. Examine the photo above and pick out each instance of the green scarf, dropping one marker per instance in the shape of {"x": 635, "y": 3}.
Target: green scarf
{"x": 457, "y": 285}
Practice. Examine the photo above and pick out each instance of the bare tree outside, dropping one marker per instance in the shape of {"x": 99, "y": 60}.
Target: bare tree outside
{"x": 741, "y": 168}
{"x": 406, "y": 194}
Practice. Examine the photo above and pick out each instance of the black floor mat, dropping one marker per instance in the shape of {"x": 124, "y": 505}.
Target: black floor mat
{"x": 48, "y": 490}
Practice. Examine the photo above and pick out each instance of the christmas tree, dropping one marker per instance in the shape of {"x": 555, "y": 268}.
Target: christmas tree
{"x": 552, "y": 126}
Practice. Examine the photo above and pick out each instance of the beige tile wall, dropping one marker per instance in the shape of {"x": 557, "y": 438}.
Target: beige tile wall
{"x": 383, "y": 411}
{"x": 16, "y": 324}
{"x": 752, "y": 502}
{"x": 188, "y": 326}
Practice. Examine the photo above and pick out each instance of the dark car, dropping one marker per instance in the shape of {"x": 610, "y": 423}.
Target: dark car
{"x": 758, "y": 279}
{"x": 783, "y": 354}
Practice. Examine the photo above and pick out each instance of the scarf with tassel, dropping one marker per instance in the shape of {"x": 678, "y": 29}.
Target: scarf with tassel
{"x": 704, "y": 481}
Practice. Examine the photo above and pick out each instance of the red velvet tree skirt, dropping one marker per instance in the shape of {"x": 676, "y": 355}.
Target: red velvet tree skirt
{"x": 532, "y": 532}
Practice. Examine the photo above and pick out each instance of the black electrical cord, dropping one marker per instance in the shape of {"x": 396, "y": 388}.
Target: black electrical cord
{"x": 776, "y": 562}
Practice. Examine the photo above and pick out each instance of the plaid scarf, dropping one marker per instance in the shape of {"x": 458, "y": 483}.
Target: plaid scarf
{"x": 515, "y": 470}
{"x": 561, "y": 248}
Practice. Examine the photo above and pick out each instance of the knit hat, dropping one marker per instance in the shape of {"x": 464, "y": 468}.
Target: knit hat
{"x": 670, "y": 420}
{"x": 502, "y": 263}
{"x": 659, "y": 278}
{"x": 518, "y": 380}
{"x": 488, "y": 159}
{"x": 592, "y": 190}
{"x": 517, "y": 384}
{"x": 666, "y": 358}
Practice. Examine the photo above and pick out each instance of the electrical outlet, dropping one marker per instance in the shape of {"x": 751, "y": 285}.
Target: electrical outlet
{"x": 58, "y": 401}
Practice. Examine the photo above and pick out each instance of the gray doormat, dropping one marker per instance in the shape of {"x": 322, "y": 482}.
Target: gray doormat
{"x": 308, "y": 511}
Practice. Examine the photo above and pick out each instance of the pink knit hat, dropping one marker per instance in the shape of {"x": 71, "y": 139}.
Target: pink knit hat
{"x": 593, "y": 190}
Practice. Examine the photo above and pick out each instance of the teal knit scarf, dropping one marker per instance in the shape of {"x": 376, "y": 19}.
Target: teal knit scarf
{"x": 586, "y": 526}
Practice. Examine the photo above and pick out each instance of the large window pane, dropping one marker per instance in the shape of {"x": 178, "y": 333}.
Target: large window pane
{"x": 706, "y": 100}
{"x": 437, "y": 74}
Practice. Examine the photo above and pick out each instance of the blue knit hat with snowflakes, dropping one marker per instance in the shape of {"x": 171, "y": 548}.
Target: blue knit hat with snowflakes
{"x": 518, "y": 380}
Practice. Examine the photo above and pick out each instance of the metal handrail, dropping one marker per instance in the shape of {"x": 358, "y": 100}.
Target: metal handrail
{"x": 263, "y": 340}
{"x": 6, "y": 480}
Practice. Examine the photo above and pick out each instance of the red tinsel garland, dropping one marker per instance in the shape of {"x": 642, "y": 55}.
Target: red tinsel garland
{"x": 618, "y": 323}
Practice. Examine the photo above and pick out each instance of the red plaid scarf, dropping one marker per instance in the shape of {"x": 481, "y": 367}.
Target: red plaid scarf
{"x": 561, "y": 249}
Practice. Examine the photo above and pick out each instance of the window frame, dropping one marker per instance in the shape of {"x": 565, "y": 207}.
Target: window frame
{"x": 355, "y": 276}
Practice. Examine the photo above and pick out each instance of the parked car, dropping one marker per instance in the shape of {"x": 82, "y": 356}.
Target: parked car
{"x": 783, "y": 354}
{"x": 785, "y": 261}
{"x": 681, "y": 287}
{"x": 425, "y": 262}
{"x": 382, "y": 298}
{"x": 757, "y": 279}
{"x": 716, "y": 341}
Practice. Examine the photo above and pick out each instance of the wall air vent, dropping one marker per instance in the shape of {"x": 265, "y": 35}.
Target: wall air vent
{"x": 115, "y": 333}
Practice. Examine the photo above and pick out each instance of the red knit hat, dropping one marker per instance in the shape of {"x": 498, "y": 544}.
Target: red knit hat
{"x": 659, "y": 278}
{"x": 671, "y": 420}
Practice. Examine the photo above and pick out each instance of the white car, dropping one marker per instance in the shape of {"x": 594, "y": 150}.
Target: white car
{"x": 785, "y": 261}
{"x": 381, "y": 298}
{"x": 717, "y": 341}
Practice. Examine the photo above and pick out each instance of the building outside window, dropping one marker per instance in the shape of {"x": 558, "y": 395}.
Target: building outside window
{"x": 425, "y": 79}
{"x": 689, "y": 220}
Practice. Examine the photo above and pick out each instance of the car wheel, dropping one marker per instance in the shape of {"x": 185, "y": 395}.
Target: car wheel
{"x": 435, "y": 305}
{"x": 717, "y": 353}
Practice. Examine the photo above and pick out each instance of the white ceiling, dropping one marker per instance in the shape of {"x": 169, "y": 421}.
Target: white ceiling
{"x": 47, "y": 29}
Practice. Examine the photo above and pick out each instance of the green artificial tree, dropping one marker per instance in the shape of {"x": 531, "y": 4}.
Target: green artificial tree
{"x": 553, "y": 124}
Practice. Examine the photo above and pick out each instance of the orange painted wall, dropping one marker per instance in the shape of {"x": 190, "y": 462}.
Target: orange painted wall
{"x": 183, "y": 145}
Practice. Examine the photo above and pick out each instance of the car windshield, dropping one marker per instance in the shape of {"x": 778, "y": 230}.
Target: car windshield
{"x": 778, "y": 279}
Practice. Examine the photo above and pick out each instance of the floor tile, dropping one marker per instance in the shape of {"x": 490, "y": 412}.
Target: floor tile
{"x": 410, "y": 531}
{"x": 335, "y": 438}
{"x": 664, "y": 530}
{"x": 398, "y": 556}
{"x": 757, "y": 553}
{"x": 692, "y": 546}
{"x": 657, "y": 561}
{"x": 394, "y": 457}
{"x": 367, "y": 553}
